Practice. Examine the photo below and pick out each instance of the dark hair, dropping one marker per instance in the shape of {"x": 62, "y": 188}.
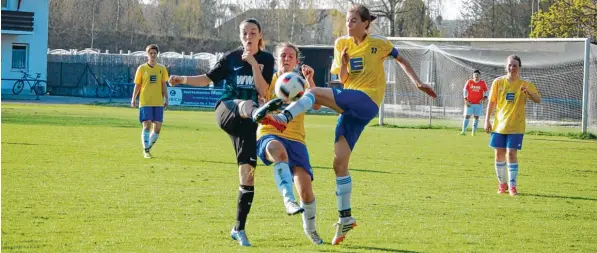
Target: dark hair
{"x": 477, "y": 72}
{"x": 515, "y": 57}
{"x": 363, "y": 12}
{"x": 152, "y": 46}
{"x": 255, "y": 22}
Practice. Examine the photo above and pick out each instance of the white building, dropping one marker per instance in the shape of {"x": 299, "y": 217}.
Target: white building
{"x": 24, "y": 40}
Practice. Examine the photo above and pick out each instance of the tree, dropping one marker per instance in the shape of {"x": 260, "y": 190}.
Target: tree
{"x": 567, "y": 18}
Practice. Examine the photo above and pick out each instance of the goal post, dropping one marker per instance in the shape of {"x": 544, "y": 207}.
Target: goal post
{"x": 563, "y": 69}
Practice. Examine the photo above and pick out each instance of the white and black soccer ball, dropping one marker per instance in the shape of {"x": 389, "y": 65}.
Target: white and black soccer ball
{"x": 290, "y": 86}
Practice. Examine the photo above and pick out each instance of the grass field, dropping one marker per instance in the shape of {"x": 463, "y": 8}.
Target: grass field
{"x": 74, "y": 180}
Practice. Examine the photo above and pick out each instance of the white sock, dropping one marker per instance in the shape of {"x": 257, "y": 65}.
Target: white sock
{"x": 153, "y": 138}
{"x": 145, "y": 139}
{"x": 300, "y": 106}
{"x": 283, "y": 179}
{"x": 512, "y": 174}
{"x": 500, "y": 171}
{"x": 308, "y": 216}
{"x": 343, "y": 191}
{"x": 475, "y": 125}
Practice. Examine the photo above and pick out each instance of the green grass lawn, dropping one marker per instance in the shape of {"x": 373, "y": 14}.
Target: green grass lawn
{"x": 74, "y": 180}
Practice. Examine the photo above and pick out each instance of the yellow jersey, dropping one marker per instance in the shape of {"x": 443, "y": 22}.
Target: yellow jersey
{"x": 366, "y": 65}
{"x": 151, "y": 80}
{"x": 510, "y": 105}
{"x": 295, "y": 130}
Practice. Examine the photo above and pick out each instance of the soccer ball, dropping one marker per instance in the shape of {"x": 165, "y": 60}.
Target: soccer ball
{"x": 290, "y": 86}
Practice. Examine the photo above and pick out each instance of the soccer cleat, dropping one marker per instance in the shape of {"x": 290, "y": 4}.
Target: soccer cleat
{"x": 270, "y": 120}
{"x": 273, "y": 105}
{"x": 314, "y": 237}
{"x": 502, "y": 188}
{"x": 513, "y": 191}
{"x": 462, "y": 133}
{"x": 293, "y": 208}
{"x": 146, "y": 154}
{"x": 342, "y": 229}
{"x": 472, "y": 133}
{"x": 241, "y": 237}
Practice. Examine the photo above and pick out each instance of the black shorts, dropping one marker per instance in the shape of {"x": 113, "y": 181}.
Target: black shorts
{"x": 242, "y": 132}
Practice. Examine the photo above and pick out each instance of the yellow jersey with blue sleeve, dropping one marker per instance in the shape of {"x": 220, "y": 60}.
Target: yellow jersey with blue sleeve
{"x": 150, "y": 79}
{"x": 510, "y": 105}
{"x": 366, "y": 65}
{"x": 295, "y": 130}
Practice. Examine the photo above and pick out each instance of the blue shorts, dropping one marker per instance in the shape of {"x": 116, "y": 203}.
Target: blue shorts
{"x": 513, "y": 141}
{"x": 474, "y": 109}
{"x": 151, "y": 113}
{"x": 297, "y": 152}
{"x": 358, "y": 109}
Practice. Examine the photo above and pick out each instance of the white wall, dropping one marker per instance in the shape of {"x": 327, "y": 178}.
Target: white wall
{"x": 38, "y": 44}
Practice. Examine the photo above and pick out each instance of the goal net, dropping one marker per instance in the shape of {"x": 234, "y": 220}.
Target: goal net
{"x": 558, "y": 67}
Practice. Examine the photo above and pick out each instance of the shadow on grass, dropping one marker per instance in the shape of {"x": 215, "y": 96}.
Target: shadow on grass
{"x": 351, "y": 169}
{"x": 557, "y": 196}
{"x": 371, "y": 248}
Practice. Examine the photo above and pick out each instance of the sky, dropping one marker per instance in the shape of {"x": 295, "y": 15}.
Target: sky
{"x": 451, "y": 8}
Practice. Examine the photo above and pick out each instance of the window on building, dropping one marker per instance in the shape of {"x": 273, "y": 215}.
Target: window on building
{"x": 19, "y": 56}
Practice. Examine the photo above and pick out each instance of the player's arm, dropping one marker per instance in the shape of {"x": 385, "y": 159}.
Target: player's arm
{"x": 261, "y": 83}
{"x": 137, "y": 90}
{"x": 531, "y": 91}
{"x": 165, "y": 88}
{"x": 465, "y": 93}
{"x": 197, "y": 81}
{"x": 410, "y": 72}
{"x": 339, "y": 63}
{"x": 491, "y": 106}
{"x": 308, "y": 73}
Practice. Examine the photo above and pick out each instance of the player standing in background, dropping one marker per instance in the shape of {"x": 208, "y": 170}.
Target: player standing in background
{"x": 287, "y": 150}
{"x": 508, "y": 97}
{"x": 150, "y": 86}
{"x": 248, "y": 72}
{"x": 475, "y": 92}
{"x": 359, "y": 60}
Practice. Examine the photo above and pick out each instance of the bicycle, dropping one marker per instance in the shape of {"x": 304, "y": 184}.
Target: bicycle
{"x": 37, "y": 88}
{"x": 113, "y": 90}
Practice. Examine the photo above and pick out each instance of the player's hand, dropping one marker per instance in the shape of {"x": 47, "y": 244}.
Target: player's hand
{"x": 427, "y": 89}
{"x": 165, "y": 104}
{"x": 345, "y": 56}
{"x": 248, "y": 57}
{"x": 487, "y": 127}
{"x": 134, "y": 103}
{"x": 175, "y": 80}
{"x": 524, "y": 90}
{"x": 467, "y": 103}
{"x": 307, "y": 71}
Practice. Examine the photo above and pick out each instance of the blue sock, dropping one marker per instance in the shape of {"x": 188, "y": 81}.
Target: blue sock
{"x": 300, "y": 106}
{"x": 512, "y": 174}
{"x": 145, "y": 139}
{"x": 475, "y": 124}
{"x": 283, "y": 179}
{"x": 343, "y": 191}
{"x": 465, "y": 124}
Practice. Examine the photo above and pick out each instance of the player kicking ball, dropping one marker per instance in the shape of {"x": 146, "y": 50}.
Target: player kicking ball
{"x": 508, "y": 97}
{"x": 359, "y": 61}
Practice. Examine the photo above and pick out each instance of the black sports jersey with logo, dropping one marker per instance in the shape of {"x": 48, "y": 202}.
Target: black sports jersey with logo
{"x": 238, "y": 74}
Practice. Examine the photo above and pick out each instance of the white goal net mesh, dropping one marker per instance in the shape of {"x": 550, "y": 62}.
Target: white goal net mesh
{"x": 555, "y": 67}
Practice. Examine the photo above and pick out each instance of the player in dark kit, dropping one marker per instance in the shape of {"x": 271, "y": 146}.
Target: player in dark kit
{"x": 248, "y": 72}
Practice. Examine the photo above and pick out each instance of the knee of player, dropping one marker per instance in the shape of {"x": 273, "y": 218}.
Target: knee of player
{"x": 512, "y": 155}
{"x": 277, "y": 151}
